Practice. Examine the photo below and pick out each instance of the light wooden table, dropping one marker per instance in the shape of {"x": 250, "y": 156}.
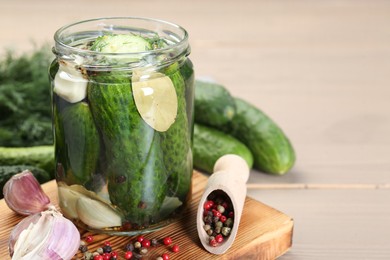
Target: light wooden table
{"x": 320, "y": 69}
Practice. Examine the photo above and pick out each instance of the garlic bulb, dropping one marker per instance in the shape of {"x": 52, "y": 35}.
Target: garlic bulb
{"x": 44, "y": 236}
{"x": 24, "y": 195}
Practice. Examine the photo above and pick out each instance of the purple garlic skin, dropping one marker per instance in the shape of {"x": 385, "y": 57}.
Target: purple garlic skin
{"x": 44, "y": 236}
{"x": 24, "y": 195}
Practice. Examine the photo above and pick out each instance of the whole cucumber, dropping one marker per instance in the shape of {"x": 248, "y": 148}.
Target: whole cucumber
{"x": 210, "y": 144}
{"x": 271, "y": 149}
{"x": 134, "y": 162}
{"x": 80, "y": 140}
{"x": 38, "y": 156}
{"x": 214, "y": 106}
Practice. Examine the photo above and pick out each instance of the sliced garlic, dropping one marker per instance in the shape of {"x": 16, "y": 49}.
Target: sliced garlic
{"x": 24, "y": 195}
{"x": 68, "y": 196}
{"x": 155, "y": 98}
{"x": 46, "y": 235}
{"x": 96, "y": 214}
{"x": 69, "y": 83}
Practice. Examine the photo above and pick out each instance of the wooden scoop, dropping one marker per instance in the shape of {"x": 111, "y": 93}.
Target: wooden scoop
{"x": 231, "y": 172}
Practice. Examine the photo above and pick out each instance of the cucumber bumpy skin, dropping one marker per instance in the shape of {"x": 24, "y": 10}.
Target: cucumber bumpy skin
{"x": 271, "y": 149}
{"x": 214, "y": 106}
{"x": 134, "y": 164}
{"x": 176, "y": 144}
{"x": 210, "y": 144}
{"x": 77, "y": 134}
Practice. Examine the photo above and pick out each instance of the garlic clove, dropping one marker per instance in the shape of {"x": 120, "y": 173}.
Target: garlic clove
{"x": 24, "y": 195}
{"x": 45, "y": 235}
{"x": 68, "y": 199}
{"x": 96, "y": 214}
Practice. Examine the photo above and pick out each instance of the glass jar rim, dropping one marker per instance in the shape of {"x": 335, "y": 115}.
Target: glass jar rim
{"x": 181, "y": 43}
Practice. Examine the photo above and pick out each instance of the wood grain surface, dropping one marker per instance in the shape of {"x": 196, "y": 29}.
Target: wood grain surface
{"x": 264, "y": 233}
{"x": 319, "y": 68}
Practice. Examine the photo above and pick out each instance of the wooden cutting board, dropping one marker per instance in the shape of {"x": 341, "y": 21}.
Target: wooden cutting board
{"x": 264, "y": 233}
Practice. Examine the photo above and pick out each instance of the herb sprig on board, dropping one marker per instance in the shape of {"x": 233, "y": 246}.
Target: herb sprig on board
{"x": 25, "y": 113}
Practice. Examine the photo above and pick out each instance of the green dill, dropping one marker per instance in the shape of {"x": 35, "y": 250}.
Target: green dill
{"x": 25, "y": 111}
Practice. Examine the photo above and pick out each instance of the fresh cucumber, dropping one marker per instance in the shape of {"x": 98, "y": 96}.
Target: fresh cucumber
{"x": 37, "y": 156}
{"x": 271, "y": 149}
{"x": 210, "y": 144}
{"x": 214, "y": 106}
{"x": 6, "y": 172}
{"x": 133, "y": 156}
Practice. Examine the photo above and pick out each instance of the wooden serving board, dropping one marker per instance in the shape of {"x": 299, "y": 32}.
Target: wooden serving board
{"x": 264, "y": 233}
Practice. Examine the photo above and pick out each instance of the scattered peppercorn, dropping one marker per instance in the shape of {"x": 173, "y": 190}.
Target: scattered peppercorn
{"x": 99, "y": 250}
{"x": 143, "y": 250}
{"x": 137, "y": 245}
{"x": 107, "y": 249}
{"x": 140, "y": 238}
{"x": 128, "y": 255}
{"x": 175, "y": 248}
{"x": 89, "y": 239}
{"x": 83, "y": 248}
{"x": 145, "y": 243}
{"x": 107, "y": 243}
{"x": 114, "y": 254}
{"x": 154, "y": 242}
{"x": 106, "y": 256}
{"x": 165, "y": 256}
{"x": 159, "y": 258}
{"x": 129, "y": 247}
{"x": 167, "y": 241}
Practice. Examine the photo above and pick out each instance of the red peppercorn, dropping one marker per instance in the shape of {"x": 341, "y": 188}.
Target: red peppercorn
{"x": 208, "y": 204}
{"x": 107, "y": 243}
{"x": 140, "y": 238}
{"x": 128, "y": 254}
{"x": 216, "y": 213}
{"x": 145, "y": 243}
{"x": 231, "y": 214}
{"x": 219, "y": 238}
{"x": 165, "y": 256}
{"x": 167, "y": 241}
{"x": 225, "y": 205}
{"x": 114, "y": 254}
{"x": 175, "y": 248}
{"x": 89, "y": 239}
{"x": 98, "y": 257}
{"x": 213, "y": 242}
{"x": 222, "y": 218}
{"x": 106, "y": 256}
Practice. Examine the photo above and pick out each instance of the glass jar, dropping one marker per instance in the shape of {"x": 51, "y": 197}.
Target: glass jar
{"x": 122, "y": 120}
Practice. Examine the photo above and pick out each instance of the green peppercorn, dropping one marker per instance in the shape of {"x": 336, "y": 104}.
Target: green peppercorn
{"x": 219, "y": 224}
{"x": 87, "y": 255}
{"x": 226, "y": 231}
{"x": 221, "y": 208}
{"x": 229, "y": 222}
{"x": 143, "y": 250}
{"x": 218, "y": 230}
{"x": 137, "y": 245}
{"x": 206, "y": 227}
{"x": 99, "y": 250}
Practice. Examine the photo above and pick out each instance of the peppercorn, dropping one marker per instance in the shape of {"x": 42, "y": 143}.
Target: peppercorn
{"x": 107, "y": 249}
{"x": 98, "y": 257}
{"x": 128, "y": 254}
{"x": 165, "y": 256}
{"x": 140, "y": 238}
{"x": 215, "y": 220}
{"x": 159, "y": 258}
{"x": 175, "y": 248}
{"x": 229, "y": 222}
{"x": 145, "y": 243}
{"x": 213, "y": 242}
{"x": 167, "y": 241}
{"x": 226, "y": 231}
{"x": 99, "y": 250}
{"x": 136, "y": 255}
{"x": 216, "y": 213}
{"x": 154, "y": 242}
{"x": 143, "y": 250}
{"x": 107, "y": 243}
{"x": 129, "y": 247}
{"x": 210, "y": 232}
{"x": 114, "y": 254}
{"x": 106, "y": 256}
{"x": 89, "y": 239}
{"x": 88, "y": 255}
{"x": 206, "y": 227}
{"x": 221, "y": 209}
{"x": 83, "y": 249}
{"x": 219, "y": 238}
{"x": 217, "y": 230}
{"x": 222, "y": 218}
{"x": 137, "y": 245}
{"x": 219, "y": 224}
